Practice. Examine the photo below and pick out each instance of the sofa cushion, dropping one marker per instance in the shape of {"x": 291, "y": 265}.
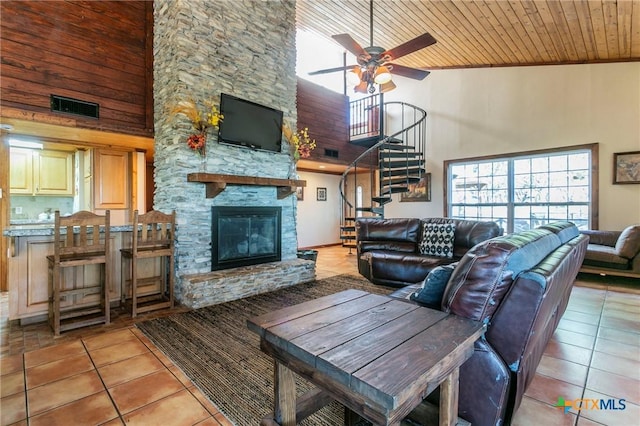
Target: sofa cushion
{"x": 628, "y": 244}
{"x": 564, "y": 230}
{"x": 399, "y": 229}
{"x": 432, "y": 289}
{"x": 437, "y": 239}
{"x": 406, "y": 267}
{"x": 486, "y": 272}
{"x": 604, "y": 257}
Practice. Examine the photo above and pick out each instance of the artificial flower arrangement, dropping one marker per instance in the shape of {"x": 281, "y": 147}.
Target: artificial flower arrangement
{"x": 201, "y": 122}
{"x": 300, "y": 144}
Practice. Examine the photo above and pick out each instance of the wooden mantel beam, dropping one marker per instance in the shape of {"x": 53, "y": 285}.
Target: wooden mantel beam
{"x": 216, "y": 183}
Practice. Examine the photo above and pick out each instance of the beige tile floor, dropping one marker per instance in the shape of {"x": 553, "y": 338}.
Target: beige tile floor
{"x": 113, "y": 375}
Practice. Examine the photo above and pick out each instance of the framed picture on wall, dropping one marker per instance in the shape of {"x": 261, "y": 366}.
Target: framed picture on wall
{"x": 300, "y": 193}
{"x": 321, "y": 194}
{"x": 420, "y": 191}
{"x": 626, "y": 167}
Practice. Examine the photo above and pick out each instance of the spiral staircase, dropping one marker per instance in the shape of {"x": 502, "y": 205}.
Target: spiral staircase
{"x": 395, "y": 136}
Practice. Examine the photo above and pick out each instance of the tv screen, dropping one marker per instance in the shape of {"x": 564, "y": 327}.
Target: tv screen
{"x": 249, "y": 124}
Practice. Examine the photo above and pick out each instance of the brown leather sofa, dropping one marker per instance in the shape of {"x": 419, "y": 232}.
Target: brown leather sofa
{"x": 519, "y": 285}
{"x": 388, "y": 250}
{"x": 613, "y": 252}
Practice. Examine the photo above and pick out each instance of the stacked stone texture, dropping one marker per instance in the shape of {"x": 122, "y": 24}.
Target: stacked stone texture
{"x": 201, "y": 49}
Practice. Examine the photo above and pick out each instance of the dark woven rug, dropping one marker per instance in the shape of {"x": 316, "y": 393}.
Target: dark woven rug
{"x": 222, "y": 357}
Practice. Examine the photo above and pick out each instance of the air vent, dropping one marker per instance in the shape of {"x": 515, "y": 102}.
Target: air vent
{"x": 333, "y": 153}
{"x": 74, "y": 106}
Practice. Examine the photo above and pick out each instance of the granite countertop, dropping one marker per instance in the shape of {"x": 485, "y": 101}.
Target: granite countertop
{"x": 42, "y": 229}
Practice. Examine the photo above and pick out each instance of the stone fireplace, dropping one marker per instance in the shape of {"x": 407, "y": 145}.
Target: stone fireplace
{"x": 245, "y": 49}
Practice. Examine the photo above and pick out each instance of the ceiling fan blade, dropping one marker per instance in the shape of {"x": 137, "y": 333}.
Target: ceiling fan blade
{"x": 329, "y": 70}
{"x": 349, "y": 43}
{"x": 403, "y": 71}
{"x": 410, "y": 46}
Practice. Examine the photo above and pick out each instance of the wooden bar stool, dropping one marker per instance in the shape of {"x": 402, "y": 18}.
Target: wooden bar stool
{"x": 149, "y": 285}
{"x": 79, "y": 297}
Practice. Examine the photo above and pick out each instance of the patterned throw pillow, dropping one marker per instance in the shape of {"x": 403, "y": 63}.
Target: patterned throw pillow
{"x": 437, "y": 239}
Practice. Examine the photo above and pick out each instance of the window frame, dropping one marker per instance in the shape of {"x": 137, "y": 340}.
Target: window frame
{"x": 594, "y": 175}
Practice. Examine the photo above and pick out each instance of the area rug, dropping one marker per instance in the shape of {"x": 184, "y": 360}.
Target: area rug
{"x": 222, "y": 357}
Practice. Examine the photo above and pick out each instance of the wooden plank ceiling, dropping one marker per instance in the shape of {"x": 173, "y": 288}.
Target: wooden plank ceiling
{"x": 484, "y": 33}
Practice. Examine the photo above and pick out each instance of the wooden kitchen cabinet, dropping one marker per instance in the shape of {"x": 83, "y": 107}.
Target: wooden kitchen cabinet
{"x": 21, "y": 165}
{"x": 29, "y": 283}
{"x": 111, "y": 179}
{"x": 54, "y": 173}
{"x": 41, "y": 172}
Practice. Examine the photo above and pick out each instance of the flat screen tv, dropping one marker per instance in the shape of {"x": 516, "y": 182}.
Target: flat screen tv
{"x": 249, "y": 124}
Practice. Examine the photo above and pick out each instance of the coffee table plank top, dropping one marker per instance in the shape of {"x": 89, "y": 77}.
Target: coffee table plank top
{"x": 327, "y": 338}
{"x": 344, "y": 360}
{"x": 426, "y": 358}
{"x": 262, "y": 322}
{"x": 309, "y": 323}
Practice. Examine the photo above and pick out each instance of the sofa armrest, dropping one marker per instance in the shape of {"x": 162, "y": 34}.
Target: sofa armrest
{"x": 602, "y": 238}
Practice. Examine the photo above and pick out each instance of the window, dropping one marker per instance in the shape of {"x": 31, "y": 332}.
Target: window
{"x": 525, "y": 190}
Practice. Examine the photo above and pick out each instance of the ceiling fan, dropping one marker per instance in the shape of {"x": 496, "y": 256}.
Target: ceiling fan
{"x": 374, "y": 62}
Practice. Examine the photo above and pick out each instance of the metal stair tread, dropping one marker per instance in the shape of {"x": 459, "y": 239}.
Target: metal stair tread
{"x": 395, "y": 189}
{"x": 402, "y": 172}
{"x": 399, "y": 154}
{"x": 397, "y": 164}
{"x": 403, "y": 179}
{"x": 394, "y": 147}
{"x": 381, "y": 200}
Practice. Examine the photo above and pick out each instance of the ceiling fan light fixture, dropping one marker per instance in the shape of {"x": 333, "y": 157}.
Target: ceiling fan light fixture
{"x": 387, "y": 87}
{"x": 362, "y": 87}
{"x": 354, "y": 76}
{"x": 382, "y": 75}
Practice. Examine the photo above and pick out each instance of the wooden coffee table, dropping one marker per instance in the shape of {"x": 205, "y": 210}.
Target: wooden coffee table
{"x": 376, "y": 355}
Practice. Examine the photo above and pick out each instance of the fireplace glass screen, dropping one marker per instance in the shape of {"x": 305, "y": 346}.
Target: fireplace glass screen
{"x": 244, "y": 236}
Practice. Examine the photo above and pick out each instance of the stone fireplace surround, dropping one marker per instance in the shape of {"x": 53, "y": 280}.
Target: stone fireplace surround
{"x": 246, "y": 49}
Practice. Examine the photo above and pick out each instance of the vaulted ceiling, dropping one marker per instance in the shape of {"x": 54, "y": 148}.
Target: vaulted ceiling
{"x": 484, "y": 33}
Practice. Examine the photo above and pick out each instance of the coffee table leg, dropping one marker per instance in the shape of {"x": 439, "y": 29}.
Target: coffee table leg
{"x": 449, "y": 399}
{"x": 285, "y": 395}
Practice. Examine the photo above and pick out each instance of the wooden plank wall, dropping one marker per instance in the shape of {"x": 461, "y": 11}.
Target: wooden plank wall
{"x": 95, "y": 51}
{"x": 326, "y": 114}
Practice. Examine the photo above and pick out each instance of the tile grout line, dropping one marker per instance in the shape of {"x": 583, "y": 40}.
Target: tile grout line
{"x": 26, "y": 396}
{"x": 104, "y": 385}
{"x": 593, "y": 349}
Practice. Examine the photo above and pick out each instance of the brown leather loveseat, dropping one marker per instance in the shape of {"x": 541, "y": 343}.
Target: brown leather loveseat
{"x": 389, "y": 250}
{"x": 519, "y": 285}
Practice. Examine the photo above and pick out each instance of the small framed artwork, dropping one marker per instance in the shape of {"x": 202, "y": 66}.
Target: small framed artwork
{"x": 321, "y": 194}
{"x": 626, "y": 167}
{"x": 300, "y": 193}
{"x": 420, "y": 191}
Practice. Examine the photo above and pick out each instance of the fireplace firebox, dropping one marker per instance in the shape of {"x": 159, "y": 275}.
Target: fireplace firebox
{"x": 242, "y": 236}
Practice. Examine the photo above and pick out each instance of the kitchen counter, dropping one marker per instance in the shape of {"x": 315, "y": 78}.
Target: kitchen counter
{"x": 42, "y": 229}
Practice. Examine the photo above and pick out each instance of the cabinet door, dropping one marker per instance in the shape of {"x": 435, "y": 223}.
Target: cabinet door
{"x": 54, "y": 173}
{"x": 21, "y": 165}
{"x": 111, "y": 179}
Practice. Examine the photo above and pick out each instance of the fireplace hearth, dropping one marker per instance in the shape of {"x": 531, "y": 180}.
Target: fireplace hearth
{"x": 243, "y": 236}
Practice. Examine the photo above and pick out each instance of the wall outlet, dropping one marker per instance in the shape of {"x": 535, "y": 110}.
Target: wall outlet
{"x": 18, "y": 210}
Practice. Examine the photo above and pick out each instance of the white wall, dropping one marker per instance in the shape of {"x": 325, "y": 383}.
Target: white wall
{"x": 319, "y": 221}
{"x": 490, "y": 111}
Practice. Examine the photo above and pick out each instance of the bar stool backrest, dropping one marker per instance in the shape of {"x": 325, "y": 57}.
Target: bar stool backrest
{"x": 154, "y": 230}
{"x": 80, "y": 234}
